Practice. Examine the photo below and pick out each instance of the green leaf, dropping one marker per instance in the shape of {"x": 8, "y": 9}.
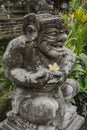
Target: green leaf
{"x": 71, "y": 40}
{"x": 78, "y": 67}
{"x": 84, "y": 58}
{"x": 73, "y": 101}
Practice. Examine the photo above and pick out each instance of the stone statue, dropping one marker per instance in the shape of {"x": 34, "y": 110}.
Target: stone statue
{"x": 39, "y": 65}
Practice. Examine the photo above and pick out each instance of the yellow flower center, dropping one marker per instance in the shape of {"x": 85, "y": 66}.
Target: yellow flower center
{"x": 54, "y": 67}
{"x": 72, "y": 16}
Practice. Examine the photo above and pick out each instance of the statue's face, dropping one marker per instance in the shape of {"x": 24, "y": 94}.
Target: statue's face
{"x": 46, "y": 32}
{"x": 50, "y": 40}
{"x": 53, "y": 37}
{"x": 47, "y": 39}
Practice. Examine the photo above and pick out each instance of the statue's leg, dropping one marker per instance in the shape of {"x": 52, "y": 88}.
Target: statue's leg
{"x": 70, "y": 89}
{"x": 40, "y": 110}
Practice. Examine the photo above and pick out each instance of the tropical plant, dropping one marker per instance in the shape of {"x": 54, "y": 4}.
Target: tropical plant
{"x": 76, "y": 22}
{"x": 3, "y": 81}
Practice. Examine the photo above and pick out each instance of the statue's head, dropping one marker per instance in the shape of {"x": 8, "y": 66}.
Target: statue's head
{"x": 46, "y": 28}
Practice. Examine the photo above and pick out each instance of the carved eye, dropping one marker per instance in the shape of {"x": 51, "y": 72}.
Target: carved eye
{"x": 53, "y": 33}
{"x": 61, "y": 31}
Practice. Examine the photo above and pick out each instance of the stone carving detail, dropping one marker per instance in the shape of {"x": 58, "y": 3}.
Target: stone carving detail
{"x": 40, "y": 6}
{"x": 39, "y": 64}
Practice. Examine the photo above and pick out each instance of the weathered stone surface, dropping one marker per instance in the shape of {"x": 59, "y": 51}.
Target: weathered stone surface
{"x": 39, "y": 65}
{"x": 76, "y": 123}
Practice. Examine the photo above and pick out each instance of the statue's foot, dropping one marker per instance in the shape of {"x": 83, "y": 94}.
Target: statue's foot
{"x": 69, "y": 114}
{"x": 70, "y": 108}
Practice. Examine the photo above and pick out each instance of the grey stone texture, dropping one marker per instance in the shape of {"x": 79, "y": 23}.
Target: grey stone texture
{"x": 39, "y": 64}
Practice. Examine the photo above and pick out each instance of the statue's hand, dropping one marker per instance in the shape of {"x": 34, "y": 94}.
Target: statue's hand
{"x": 39, "y": 79}
{"x": 57, "y": 77}
{"x": 34, "y": 77}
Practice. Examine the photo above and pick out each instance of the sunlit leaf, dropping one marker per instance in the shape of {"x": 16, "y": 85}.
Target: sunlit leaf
{"x": 83, "y": 58}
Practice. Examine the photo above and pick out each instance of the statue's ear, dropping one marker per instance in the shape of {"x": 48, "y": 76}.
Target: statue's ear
{"x": 31, "y": 32}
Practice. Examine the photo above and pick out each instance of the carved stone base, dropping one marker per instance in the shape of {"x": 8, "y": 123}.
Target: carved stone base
{"x": 76, "y": 123}
{"x": 23, "y": 125}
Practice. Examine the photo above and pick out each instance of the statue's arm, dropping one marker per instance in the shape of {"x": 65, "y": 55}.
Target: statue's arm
{"x": 23, "y": 77}
{"x": 68, "y": 62}
{"x": 12, "y": 61}
{"x": 13, "y": 65}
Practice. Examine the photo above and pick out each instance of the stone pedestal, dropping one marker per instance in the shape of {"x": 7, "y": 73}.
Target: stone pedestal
{"x": 16, "y": 123}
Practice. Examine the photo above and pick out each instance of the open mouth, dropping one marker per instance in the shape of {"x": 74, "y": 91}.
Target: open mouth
{"x": 55, "y": 44}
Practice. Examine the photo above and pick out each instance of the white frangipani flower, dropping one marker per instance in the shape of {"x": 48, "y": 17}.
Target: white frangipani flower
{"x": 53, "y": 67}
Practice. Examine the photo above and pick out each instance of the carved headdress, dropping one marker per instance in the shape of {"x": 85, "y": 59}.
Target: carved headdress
{"x": 42, "y": 21}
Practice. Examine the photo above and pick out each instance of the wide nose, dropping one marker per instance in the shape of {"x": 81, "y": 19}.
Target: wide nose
{"x": 62, "y": 37}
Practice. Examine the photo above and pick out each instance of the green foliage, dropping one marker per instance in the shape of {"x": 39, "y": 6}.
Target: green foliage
{"x": 77, "y": 40}
{"x": 75, "y": 4}
{"x": 3, "y": 81}
{"x": 84, "y": 59}
{"x": 77, "y": 34}
{"x": 6, "y": 91}
{"x": 5, "y": 104}
{"x": 84, "y": 112}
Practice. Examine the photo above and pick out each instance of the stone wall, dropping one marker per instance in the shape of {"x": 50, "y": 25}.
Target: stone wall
{"x": 9, "y": 29}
